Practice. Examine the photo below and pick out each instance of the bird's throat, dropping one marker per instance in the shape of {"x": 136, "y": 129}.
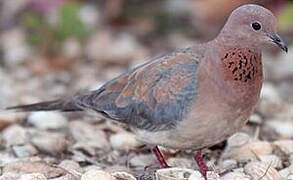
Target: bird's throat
{"x": 241, "y": 65}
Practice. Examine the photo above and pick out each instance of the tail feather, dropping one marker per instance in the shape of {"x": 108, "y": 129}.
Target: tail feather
{"x": 48, "y": 106}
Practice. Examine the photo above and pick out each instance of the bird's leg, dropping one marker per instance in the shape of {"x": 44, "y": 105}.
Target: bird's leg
{"x": 160, "y": 157}
{"x": 203, "y": 168}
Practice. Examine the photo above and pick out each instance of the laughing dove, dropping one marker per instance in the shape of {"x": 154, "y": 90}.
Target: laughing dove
{"x": 191, "y": 98}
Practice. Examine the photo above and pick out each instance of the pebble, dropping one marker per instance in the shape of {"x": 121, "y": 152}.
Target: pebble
{"x": 71, "y": 166}
{"x": 180, "y": 162}
{"x": 89, "y": 15}
{"x": 66, "y": 177}
{"x": 124, "y": 141}
{"x": 123, "y": 176}
{"x": 28, "y": 167}
{"x": 235, "y": 176}
{"x": 92, "y": 168}
{"x": 15, "y": 135}
{"x": 228, "y": 164}
{"x": 47, "y": 120}
{"x": 238, "y": 139}
{"x": 52, "y": 143}
{"x": 272, "y": 160}
{"x": 121, "y": 48}
{"x": 283, "y": 128}
{"x": 285, "y": 145}
{"x": 178, "y": 174}
{"x": 212, "y": 175}
{"x": 141, "y": 160}
{"x": 7, "y": 119}
{"x": 88, "y": 135}
{"x": 26, "y": 150}
{"x": 256, "y": 119}
{"x": 15, "y": 49}
{"x": 33, "y": 176}
{"x": 249, "y": 151}
{"x": 9, "y": 176}
{"x": 286, "y": 172}
{"x": 97, "y": 175}
{"x": 72, "y": 48}
{"x": 263, "y": 171}
{"x": 6, "y": 158}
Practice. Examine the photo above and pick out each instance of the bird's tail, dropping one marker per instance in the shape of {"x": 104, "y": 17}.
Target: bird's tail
{"x": 60, "y": 105}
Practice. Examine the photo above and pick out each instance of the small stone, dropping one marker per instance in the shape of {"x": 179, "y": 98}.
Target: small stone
{"x": 97, "y": 175}
{"x": 15, "y": 135}
{"x": 255, "y": 118}
{"x": 235, "y": 176}
{"x": 33, "y": 176}
{"x": 178, "y": 173}
{"x": 123, "y": 176}
{"x": 180, "y": 162}
{"x": 283, "y": 128}
{"x": 26, "y": 150}
{"x": 286, "y": 172}
{"x": 89, "y": 135}
{"x": 89, "y": 15}
{"x": 249, "y": 151}
{"x": 228, "y": 164}
{"x": 6, "y": 119}
{"x": 238, "y": 139}
{"x": 13, "y": 44}
{"x": 9, "y": 176}
{"x": 120, "y": 48}
{"x": 124, "y": 141}
{"x": 66, "y": 177}
{"x": 72, "y": 48}
{"x": 52, "y": 143}
{"x": 259, "y": 170}
{"x": 92, "y": 168}
{"x": 272, "y": 160}
{"x": 285, "y": 145}
{"x": 28, "y": 167}
{"x": 71, "y": 166}
{"x": 141, "y": 160}
{"x": 6, "y": 158}
{"x": 212, "y": 175}
{"x": 47, "y": 120}
{"x": 289, "y": 177}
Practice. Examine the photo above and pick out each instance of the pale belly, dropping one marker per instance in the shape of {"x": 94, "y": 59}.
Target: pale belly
{"x": 201, "y": 130}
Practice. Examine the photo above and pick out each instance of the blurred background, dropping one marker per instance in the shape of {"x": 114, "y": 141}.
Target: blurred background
{"x": 49, "y": 48}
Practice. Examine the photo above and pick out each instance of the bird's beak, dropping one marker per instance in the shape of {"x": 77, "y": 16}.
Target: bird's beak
{"x": 275, "y": 38}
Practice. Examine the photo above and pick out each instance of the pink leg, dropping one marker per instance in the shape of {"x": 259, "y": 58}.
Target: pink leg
{"x": 203, "y": 168}
{"x": 160, "y": 157}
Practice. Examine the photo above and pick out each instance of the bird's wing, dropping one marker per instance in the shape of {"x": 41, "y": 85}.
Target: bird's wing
{"x": 154, "y": 96}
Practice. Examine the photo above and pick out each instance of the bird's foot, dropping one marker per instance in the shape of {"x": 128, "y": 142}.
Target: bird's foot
{"x": 203, "y": 168}
{"x": 160, "y": 157}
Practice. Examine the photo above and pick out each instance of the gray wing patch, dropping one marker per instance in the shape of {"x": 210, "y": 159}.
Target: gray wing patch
{"x": 154, "y": 99}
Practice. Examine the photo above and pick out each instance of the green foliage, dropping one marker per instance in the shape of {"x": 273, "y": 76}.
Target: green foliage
{"x": 48, "y": 37}
{"x": 69, "y": 23}
{"x": 286, "y": 18}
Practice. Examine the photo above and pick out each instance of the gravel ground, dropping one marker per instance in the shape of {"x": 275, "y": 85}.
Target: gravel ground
{"x": 82, "y": 145}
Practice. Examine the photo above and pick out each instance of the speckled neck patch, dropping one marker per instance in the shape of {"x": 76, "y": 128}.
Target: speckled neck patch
{"x": 242, "y": 64}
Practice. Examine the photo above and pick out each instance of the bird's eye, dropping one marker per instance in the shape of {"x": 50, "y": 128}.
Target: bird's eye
{"x": 256, "y": 26}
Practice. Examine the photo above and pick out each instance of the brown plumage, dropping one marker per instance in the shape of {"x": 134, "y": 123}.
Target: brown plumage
{"x": 194, "y": 97}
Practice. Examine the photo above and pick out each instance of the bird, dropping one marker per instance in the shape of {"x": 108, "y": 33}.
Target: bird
{"x": 191, "y": 98}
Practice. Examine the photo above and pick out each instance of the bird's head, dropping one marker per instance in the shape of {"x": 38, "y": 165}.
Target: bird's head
{"x": 254, "y": 25}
